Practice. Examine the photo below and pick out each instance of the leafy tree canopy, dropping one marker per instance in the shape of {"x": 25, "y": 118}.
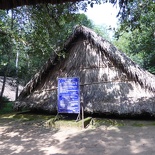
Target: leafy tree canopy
{"x": 37, "y": 32}
{"x": 137, "y": 31}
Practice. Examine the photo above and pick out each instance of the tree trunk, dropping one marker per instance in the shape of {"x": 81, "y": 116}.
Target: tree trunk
{"x": 4, "y": 82}
{"x": 2, "y": 91}
{"x": 17, "y": 81}
{"x": 17, "y": 88}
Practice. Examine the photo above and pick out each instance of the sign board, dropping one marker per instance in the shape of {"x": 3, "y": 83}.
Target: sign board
{"x": 68, "y": 95}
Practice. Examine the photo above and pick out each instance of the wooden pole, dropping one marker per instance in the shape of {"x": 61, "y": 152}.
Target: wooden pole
{"x": 82, "y": 108}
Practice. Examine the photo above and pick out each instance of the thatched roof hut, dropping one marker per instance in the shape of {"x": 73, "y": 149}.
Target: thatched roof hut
{"x": 9, "y": 4}
{"x": 110, "y": 81}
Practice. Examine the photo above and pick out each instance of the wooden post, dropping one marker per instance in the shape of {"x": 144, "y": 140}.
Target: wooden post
{"x": 82, "y": 108}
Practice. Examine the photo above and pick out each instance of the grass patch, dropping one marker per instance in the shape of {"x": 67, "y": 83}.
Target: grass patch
{"x": 29, "y": 119}
{"x": 152, "y": 123}
{"x": 26, "y": 117}
{"x": 142, "y": 124}
{"x": 136, "y": 124}
{"x": 58, "y": 123}
{"x": 107, "y": 122}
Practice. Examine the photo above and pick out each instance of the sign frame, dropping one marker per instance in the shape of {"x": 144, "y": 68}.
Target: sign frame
{"x": 68, "y": 95}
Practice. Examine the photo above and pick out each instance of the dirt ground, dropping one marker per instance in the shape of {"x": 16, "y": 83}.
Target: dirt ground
{"x": 27, "y": 138}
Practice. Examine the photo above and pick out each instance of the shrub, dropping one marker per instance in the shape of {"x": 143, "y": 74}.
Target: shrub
{"x": 6, "y": 105}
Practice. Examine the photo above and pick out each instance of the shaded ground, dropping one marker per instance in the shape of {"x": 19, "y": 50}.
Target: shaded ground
{"x": 32, "y": 138}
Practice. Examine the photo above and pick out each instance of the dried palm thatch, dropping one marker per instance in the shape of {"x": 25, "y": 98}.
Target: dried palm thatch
{"x": 9, "y": 4}
{"x": 110, "y": 81}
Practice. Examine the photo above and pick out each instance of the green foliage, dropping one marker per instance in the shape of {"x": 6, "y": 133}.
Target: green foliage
{"x": 136, "y": 12}
{"x": 102, "y": 30}
{"x": 36, "y": 33}
{"x": 123, "y": 44}
{"x": 8, "y": 106}
{"x": 9, "y": 43}
{"x": 46, "y": 30}
{"x": 5, "y": 99}
{"x": 137, "y": 34}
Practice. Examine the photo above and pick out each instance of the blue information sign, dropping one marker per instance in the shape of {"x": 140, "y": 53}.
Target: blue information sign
{"x": 68, "y": 95}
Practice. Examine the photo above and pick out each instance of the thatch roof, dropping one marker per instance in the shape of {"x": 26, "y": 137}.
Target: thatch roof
{"x": 110, "y": 82}
{"x": 9, "y": 4}
{"x": 134, "y": 72}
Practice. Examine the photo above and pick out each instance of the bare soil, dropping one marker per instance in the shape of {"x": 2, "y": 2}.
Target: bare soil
{"x": 32, "y": 138}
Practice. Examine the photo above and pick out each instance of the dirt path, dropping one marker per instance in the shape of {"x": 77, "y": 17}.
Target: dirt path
{"x": 32, "y": 139}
